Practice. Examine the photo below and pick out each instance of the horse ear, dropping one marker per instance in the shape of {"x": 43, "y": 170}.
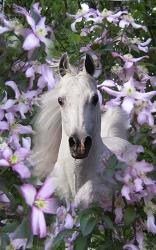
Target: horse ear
{"x": 64, "y": 64}
{"x": 89, "y": 65}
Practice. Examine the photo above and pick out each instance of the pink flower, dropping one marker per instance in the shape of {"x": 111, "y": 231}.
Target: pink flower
{"x": 15, "y": 160}
{"x": 40, "y": 202}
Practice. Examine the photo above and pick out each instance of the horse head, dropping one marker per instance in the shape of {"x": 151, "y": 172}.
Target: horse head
{"x": 79, "y": 103}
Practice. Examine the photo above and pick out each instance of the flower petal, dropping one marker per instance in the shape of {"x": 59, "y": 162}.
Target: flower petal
{"x": 4, "y": 125}
{"x": 69, "y": 223}
{"x": 138, "y": 184}
{"x": 47, "y": 189}
{"x": 151, "y": 226}
{"x": 3, "y": 29}
{"x": 4, "y": 163}
{"x": 8, "y": 104}
{"x": 13, "y": 85}
{"x": 26, "y": 142}
{"x": 130, "y": 247}
{"x": 128, "y": 104}
{"x": 24, "y": 129}
{"x": 112, "y": 92}
{"x": 125, "y": 191}
{"x": 21, "y": 153}
{"x": 31, "y": 42}
{"x": 22, "y": 170}
{"x": 107, "y": 83}
{"x": 7, "y": 153}
{"x": 29, "y": 193}
{"x": 51, "y": 206}
{"x": 38, "y": 222}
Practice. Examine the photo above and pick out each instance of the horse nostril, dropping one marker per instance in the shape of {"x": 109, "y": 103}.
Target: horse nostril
{"x": 88, "y": 141}
{"x": 72, "y": 141}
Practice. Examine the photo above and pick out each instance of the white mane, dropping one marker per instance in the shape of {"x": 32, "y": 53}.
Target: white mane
{"x": 48, "y": 132}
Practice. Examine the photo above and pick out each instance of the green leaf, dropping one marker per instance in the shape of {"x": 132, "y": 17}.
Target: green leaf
{"x": 80, "y": 243}
{"x": 129, "y": 216}
{"x": 10, "y": 227}
{"x": 5, "y": 241}
{"x": 60, "y": 237}
{"x": 23, "y": 230}
{"x": 108, "y": 222}
{"x": 87, "y": 224}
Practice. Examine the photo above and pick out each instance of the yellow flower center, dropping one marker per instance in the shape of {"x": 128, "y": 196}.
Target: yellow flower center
{"x": 41, "y": 32}
{"x": 106, "y": 13}
{"x": 13, "y": 159}
{"x": 129, "y": 91}
{"x": 128, "y": 56}
{"x": 40, "y": 203}
{"x": 128, "y": 17}
{"x": 14, "y": 126}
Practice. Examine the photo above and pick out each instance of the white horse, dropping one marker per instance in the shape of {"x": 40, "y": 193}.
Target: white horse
{"x": 73, "y": 139}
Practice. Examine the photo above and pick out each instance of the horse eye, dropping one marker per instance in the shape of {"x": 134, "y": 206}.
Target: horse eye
{"x": 95, "y": 99}
{"x": 61, "y": 101}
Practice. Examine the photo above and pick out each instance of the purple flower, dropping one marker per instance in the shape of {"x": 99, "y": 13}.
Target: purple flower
{"x": 144, "y": 110}
{"x": 10, "y": 25}
{"x": 24, "y": 101}
{"x": 38, "y": 31}
{"x": 3, "y": 197}
{"x": 127, "y": 20}
{"x": 47, "y": 77}
{"x": 15, "y": 160}
{"x": 151, "y": 226}
{"x": 17, "y": 243}
{"x": 40, "y": 202}
{"x": 64, "y": 219}
{"x": 129, "y": 94}
{"x": 135, "y": 179}
{"x": 85, "y": 13}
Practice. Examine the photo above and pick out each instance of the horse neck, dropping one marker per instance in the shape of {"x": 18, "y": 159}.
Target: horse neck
{"x": 79, "y": 171}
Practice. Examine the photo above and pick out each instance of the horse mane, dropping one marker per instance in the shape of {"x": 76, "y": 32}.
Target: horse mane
{"x": 48, "y": 133}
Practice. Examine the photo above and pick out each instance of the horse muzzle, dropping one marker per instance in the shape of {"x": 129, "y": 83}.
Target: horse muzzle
{"x": 79, "y": 149}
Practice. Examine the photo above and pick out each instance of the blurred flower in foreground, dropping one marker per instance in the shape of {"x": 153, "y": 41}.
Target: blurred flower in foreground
{"x": 41, "y": 202}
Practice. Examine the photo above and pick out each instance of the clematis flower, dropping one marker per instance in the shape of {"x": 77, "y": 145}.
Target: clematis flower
{"x": 24, "y": 100}
{"x": 127, "y": 20}
{"x": 129, "y": 94}
{"x": 128, "y": 59}
{"x": 144, "y": 110}
{"x": 38, "y": 31}
{"x": 15, "y": 160}
{"x": 40, "y": 202}
{"x": 135, "y": 178}
{"x": 10, "y": 25}
{"x": 85, "y": 12}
